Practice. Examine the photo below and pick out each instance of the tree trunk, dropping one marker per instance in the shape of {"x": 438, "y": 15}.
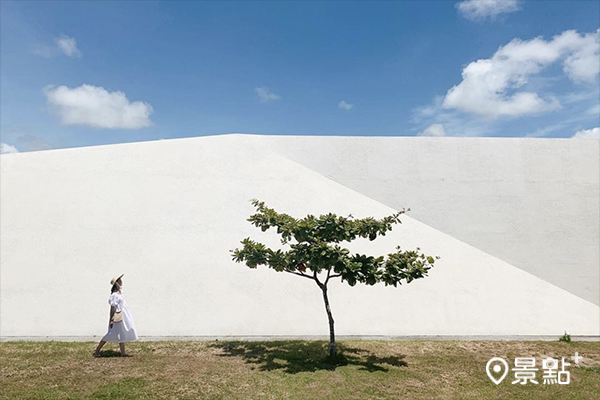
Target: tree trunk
{"x": 330, "y": 317}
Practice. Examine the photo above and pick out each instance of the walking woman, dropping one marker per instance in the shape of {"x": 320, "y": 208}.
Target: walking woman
{"x": 121, "y": 328}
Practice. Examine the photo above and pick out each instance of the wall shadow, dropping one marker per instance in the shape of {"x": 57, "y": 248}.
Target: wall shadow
{"x": 295, "y": 356}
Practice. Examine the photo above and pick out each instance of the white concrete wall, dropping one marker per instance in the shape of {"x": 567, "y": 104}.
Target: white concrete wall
{"x": 167, "y": 213}
{"x": 534, "y": 203}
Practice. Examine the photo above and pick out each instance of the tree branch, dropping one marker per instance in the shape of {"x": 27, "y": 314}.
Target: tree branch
{"x": 327, "y": 279}
{"x": 317, "y": 279}
{"x": 299, "y": 274}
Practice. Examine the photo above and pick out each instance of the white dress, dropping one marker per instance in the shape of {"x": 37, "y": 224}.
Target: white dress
{"x": 125, "y": 331}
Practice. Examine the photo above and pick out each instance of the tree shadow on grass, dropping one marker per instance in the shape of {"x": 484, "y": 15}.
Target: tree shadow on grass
{"x": 109, "y": 353}
{"x": 305, "y": 356}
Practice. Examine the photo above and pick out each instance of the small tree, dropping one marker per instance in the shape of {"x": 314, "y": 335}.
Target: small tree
{"x": 314, "y": 249}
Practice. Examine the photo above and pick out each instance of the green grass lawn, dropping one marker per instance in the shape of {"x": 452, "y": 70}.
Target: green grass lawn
{"x": 286, "y": 370}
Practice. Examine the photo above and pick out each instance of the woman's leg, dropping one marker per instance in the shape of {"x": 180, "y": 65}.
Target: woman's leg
{"x": 100, "y": 345}
{"x": 122, "y": 347}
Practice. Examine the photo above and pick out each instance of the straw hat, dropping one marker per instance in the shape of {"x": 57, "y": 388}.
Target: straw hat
{"x": 115, "y": 279}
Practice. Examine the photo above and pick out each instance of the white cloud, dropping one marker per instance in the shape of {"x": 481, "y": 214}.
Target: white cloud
{"x": 345, "y": 106}
{"x": 433, "y": 130}
{"x": 486, "y": 83}
{"x": 479, "y": 10}
{"x": 581, "y": 96}
{"x": 7, "y": 148}
{"x": 583, "y": 62}
{"x": 67, "y": 45}
{"x": 593, "y": 133}
{"x": 264, "y": 94}
{"x": 594, "y": 110}
{"x": 455, "y": 123}
{"x": 97, "y": 107}
{"x": 62, "y": 44}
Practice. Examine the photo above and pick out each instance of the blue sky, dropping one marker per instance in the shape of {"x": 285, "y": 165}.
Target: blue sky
{"x": 88, "y": 73}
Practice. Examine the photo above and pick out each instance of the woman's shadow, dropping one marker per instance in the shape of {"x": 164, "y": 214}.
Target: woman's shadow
{"x": 305, "y": 356}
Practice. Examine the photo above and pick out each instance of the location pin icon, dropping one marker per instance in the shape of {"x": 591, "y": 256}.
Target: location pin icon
{"x": 496, "y": 368}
